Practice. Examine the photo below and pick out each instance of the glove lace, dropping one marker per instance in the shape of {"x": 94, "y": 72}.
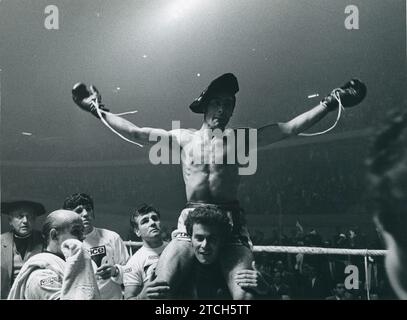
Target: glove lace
{"x": 335, "y": 94}
{"x": 95, "y": 103}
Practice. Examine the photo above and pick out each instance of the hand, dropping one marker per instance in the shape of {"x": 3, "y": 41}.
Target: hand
{"x": 87, "y": 99}
{"x": 252, "y": 279}
{"x": 351, "y": 93}
{"x": 70, "y": 247}
{"x": 106, "y": 271}
{"x": 154, "y": 289}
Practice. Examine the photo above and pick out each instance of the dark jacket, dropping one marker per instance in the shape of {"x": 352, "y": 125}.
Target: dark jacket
{"x": 7, "y": 243}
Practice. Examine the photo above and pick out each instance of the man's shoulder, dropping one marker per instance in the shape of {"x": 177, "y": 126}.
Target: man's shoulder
{"x": 43, "y": 284}
{"x": 108, "y": 233}
{"x": 243, "y": 131}
{"x": 45, "y": 256}
{"x": 43, "y": 274}
{"x": 6, "y": 237}
{"x": 183, "y": 136}
{"x": 139, "y": 256}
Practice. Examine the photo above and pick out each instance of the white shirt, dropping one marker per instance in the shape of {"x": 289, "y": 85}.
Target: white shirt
{"x": 43, "y": 284}
{"x": 106, "y": 247}
{"x": 141, "y": 265}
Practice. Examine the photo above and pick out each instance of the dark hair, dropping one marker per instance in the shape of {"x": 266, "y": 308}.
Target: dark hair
{"x": 77, "y": 199}
{"x": 387, "y": 177}
{"x": 208, "y": 217}
{"x": 142, "y": 210}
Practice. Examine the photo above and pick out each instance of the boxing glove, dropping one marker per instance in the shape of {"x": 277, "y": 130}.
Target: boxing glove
{"x": 86, "y": 99}
{"x": 351, "y": 93}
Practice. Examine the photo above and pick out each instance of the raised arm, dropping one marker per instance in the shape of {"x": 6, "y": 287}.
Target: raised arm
{"x": 274, "y": 132}
{"x": 350, "y": 94}
{"x": 134, "y": 132}
{"x": 86, "y": 100}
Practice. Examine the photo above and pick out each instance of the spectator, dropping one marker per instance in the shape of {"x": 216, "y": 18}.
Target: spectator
{"x": 339, "y": 292}
{"x": 139, "y": 271}
{"x": 106, "y": 247}
{"x": 315, "y": 286}
{"x": 21, "y": 243}
{"x": 278, "y": 289}
{"x": 209, "y": 229}
{"x": 64, "y": 270}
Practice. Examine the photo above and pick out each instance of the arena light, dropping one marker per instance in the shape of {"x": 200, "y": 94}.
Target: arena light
{"x": 180, "y": 8}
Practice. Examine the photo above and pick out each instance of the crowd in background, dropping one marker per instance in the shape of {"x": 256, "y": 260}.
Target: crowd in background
{"x": 303, "y": 276}
{"x": 324, "y": 180}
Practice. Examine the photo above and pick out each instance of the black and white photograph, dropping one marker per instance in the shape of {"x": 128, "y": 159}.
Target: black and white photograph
{"x": 203, "y": 150}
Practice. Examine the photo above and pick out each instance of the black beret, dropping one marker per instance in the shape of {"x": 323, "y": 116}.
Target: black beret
{"x": 10, "y": 206}
{"x": 225, "y": 83}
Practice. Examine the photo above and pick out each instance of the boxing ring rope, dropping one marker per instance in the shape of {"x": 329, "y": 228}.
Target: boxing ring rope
{"x": 306, "y": 250}
{"x": 292, "y": 249}
{"x": 319, "y": 250}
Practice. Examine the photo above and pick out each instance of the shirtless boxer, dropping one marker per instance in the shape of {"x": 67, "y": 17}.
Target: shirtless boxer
{"x": 210, "y": 184}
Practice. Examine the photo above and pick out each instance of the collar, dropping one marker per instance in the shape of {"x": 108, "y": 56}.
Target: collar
{"x": 16, "y": 236}
{"x": 91, "y": 234}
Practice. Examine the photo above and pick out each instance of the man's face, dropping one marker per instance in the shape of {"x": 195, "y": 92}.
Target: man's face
{"x": 206, "y": 243}
{"x": 340, "y": 290}
{"x": 87, "y": 216}
{"x": 148, "y": 226}
{"x": 22, "y": 221}
{"x": 277, "y": 278}
{"x": 219, "y": 110}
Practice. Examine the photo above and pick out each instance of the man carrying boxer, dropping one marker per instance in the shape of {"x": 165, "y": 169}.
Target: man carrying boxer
{"x": 214, "y": 184}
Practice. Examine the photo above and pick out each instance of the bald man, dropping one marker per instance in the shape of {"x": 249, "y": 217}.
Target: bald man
{"x": 64, "y": 270}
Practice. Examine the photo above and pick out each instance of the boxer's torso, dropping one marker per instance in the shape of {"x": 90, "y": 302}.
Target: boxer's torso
{"x": 207, "y": 174}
